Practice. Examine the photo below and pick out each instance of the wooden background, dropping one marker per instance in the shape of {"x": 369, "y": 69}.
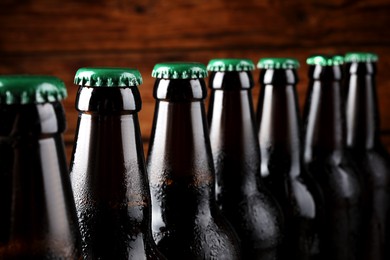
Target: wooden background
{"x": 58, "y": 37}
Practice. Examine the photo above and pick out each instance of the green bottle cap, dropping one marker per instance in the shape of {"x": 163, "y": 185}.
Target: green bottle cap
{"x": 278, "y": 63}
{"x": 108, "y": 77}
{"x": 361, "y": 57}
{"x": 325, "y": 60}
{"x": 230, "y": 65}
{"x": 179, "y": 70}
{"x": 30, "y": 89}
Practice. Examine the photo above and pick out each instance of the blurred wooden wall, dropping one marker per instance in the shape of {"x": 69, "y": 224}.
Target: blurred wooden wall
{"x": 58, "y": 37}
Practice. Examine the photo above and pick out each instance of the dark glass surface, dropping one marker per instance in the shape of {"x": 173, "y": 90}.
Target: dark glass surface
{"x": 281, "y": 163}
{"x": 186, "y": 222}
{"x": 109, "y": 178}
{"x": 38, "y": 217}
{"x": 363, "y": 140}
{"x": 330, "y": 164}
{"x": 240, "y": 193}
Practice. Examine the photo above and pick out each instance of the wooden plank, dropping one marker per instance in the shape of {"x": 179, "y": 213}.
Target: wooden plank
{"x": 78, "y": 26}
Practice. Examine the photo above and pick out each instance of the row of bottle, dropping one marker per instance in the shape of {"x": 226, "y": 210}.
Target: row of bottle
{"x": 277, "y": 200}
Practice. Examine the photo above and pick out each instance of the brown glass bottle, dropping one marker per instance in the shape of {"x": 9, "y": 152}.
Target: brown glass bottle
{"x": 186, "y": 222}
{"x": 240, "y": 193}
{"x": 363, "y": 140}
{"x": 281, "y": 161}
{"x": 107, "y": 171}
{"x": 328, "y": 160}
{"x": 38, "y": 216}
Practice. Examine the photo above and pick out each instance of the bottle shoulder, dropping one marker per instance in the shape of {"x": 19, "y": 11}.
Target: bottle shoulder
{"x": 374, "y": 165}
{"x": 256, "y": 217}
{"x": 339, "y": 178}
{"x": 207, "y": 236}
{"x": 185, "y": 214}
{"x": 295, "y": 190}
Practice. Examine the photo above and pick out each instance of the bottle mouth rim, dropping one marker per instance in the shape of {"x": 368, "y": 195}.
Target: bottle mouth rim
{"x": 108, "y": 100}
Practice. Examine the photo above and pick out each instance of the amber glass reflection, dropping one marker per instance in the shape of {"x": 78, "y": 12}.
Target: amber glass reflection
{"x": 38, "y": 218}
{"x": 363, "y": 140}
{"x": 108, "y": 176}
{"x": 240, "y": 192}
{"x": 330, "y": 164}
{"x": 282, "y": 166}
{"x": 185, "y": 221}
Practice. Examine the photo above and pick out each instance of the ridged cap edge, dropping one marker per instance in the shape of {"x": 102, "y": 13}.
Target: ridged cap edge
{"x": 278, "y": 63}
{"x": 31, "y": 89}
{"x": 179, "y": 70}
{"x": 325, "y": 60}
{"x": 108, "y": 77}
{"x": 230, "y": 65}
{"x": 361, "y": 57}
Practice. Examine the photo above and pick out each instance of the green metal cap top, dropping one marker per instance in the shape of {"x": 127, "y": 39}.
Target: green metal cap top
{"x": 361, "y": 57}
{"x": 108, "y": 77}
{"x": 278, "y": 63}
{"x": 179, "y": 70}
{"x": 30, "y": 89}
{"x": 325, "y": 60}
{"x": 230, "y": 65}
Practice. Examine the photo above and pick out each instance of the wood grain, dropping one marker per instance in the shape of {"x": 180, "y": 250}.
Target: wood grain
{"x": 77, "y": 26}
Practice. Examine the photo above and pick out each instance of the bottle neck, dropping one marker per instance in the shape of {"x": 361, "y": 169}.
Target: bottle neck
{"x": 278, "y": 115}
{"x": 108, "y": 164}
{"x": 108, "y": 122}
{"x": 363, "y": 126}
{"x": 232, "y": 129}
{"x": 324, "y": 115}
{"x": 33, "y": 169}
{"x": 179, "y": 159}
{"x": 180, "y": 144}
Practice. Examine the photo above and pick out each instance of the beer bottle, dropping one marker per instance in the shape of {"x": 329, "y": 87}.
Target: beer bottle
{"x": 38, "y": 216}
{"x": 363, "y": 140}
{"x": 186, "y": 222}
{"x": 328, "y": 161}
{"x": 281, "y": 162}
{"x": 107, "y": 169}
{"x": 240, "y": 193}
